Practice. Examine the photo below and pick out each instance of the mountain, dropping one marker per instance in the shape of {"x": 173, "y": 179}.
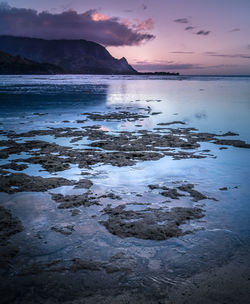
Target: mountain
{"x": 16, "y": 65}
{"x": 74, "y": 56}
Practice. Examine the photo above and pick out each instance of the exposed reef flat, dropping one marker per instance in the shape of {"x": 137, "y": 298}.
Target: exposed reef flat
{"x": 119, "y": 148}
{"x": 88, "y": 235}
{"x": 122, "y": 148}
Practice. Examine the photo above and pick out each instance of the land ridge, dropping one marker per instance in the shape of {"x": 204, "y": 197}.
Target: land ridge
{"x": 72, "y": 56}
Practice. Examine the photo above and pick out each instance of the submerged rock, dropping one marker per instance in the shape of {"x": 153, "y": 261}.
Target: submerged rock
{"x": 66, "y": 230}
{"x": 9, "y": 226}
{"x": 119, "y": 262}
{"x": 75, "y": 212}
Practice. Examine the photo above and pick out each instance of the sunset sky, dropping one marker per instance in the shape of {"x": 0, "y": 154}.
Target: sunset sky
{"x": 189, "y": 36}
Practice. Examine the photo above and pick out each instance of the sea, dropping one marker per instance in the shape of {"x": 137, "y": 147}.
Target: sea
{"x": 213, "y": 104}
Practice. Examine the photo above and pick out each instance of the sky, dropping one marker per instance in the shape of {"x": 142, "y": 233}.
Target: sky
{"x": 210, "y": 37}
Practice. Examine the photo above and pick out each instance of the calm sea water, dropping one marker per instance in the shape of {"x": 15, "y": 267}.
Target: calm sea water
{"x": 210, "y": 104}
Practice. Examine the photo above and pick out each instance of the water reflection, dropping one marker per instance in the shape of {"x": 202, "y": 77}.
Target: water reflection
{"x": 211, "y": 106}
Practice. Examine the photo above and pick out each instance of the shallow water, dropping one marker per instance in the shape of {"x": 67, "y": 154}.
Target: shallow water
{"x": 215, "y": 105}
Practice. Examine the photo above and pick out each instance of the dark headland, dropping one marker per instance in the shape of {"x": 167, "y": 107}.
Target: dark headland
{"x": 16, "y": 65}
{"x": 23, "y": 55}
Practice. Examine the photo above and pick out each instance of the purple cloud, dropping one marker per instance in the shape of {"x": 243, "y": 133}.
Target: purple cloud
{"x": 182, "y": 20}
{"x": 70, "y": 24}
{"x": 165, "y": 66}
{"x": 202, "y": 32}
{"x": 188, "y": 28}
{"x": 234, "y": 30}
{"x": 214, "y": 54}
{"x": 181, "y": 52}
{"x": 145, "y": 66}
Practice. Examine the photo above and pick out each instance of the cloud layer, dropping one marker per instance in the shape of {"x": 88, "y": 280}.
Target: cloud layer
{"x": 214, "y": 54}
{"x": 90, "y": 25}
{"x": 147, "y": 66}
{"x": 141, "y": 66}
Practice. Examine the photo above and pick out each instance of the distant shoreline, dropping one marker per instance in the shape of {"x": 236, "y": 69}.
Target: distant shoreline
{"x": 137, "y": 74}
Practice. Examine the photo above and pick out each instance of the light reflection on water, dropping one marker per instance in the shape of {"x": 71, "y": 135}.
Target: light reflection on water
{"x": 216, "y": 105}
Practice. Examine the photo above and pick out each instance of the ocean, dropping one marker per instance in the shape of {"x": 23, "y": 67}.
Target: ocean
{"x": 168, "y": 206}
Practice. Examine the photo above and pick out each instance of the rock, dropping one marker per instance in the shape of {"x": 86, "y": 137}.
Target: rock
{"x": 197, "y": 196}
{"x": 15, "y": 166}
{"x": 171, "y": 193}
{"x": 152, "y": 224}
{"x": 72, "y": 201}
{"x": 20, "y": 182}
{"x": 223, "y": 189}
{"x": 83, "y": 183}
{"x": 171, "y": 123}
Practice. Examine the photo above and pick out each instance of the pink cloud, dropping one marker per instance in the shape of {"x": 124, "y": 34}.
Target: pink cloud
{"x": 144, "y": 25}
{"x": 99, "y": 17}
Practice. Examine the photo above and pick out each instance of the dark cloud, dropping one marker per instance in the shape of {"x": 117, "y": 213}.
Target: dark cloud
{"x": 202, "y": 32}
{"x": 70, "y": 24}
{"x": 214, "y": 54}
{"x": 181, "y": 52}
{"x": 144, "y": 6}
{"x": 188, "y": 28}
{"x": 234, "y": 30}
{"x": 182, "y": 20}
